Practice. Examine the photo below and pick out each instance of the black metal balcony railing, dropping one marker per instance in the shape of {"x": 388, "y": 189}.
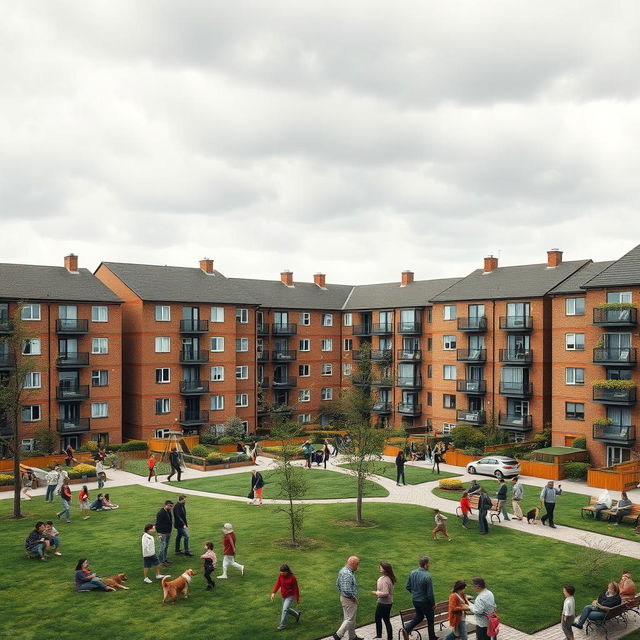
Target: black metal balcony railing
{"x": 516, "y": 356}
{"x": 263, "y": 356}
{"x": 472, "y": 324}
{"x": 409, "y": 354}
{"x": 409, "y": 408}
{"x": 515, "y": 422}
{"x": 7, "y": 360}
{"x": 516, "y": 388}
{"x": 190, "y": 418}
{"x": 75, "y": 425}
{"x": 410, "y": 327}
{"x": 516, "y": 323}
{"x": 471, "y": 386}
{"x": 72, "y": 360}
{"x": 615, "y": 317}
{"x": 194, "y": 387}
{"x": 284, "y": 329}
{"x": 409, "y": 382}
{"x": 6, "y": 325}
{"x": 471, "y": 355}
{"x": 194, "y": 326}
{"x": 615, "y": 433}
{"x": 193, "y": 356}
{"x": 285, "y": 383}
{"x": 72, "y": 392}
{"x": 626, "y": 356}
{"x": 470, "y": 416}
{"x": 263, "y": 329}
{"x": 377, "y": 355}
{"x": 381, "y": 407}
{"x": 614, "y": 396}
{"x": 361, "y": 329}
{"x": 382, "y": 382}
{"x": 284, "y": 355}
{"x": 382, "y": 328}
{"x": 67, "y": 325}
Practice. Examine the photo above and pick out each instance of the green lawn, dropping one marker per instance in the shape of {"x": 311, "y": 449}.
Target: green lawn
{"x": 140, "y": 468}
{"x": 413, "y": 475}
{"x": 43, "y": 603}
{"x": 322, "y": 485}
{"x": 567, "y": 510}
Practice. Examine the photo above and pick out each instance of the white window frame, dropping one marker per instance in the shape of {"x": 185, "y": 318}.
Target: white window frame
{"x": 449, "y": 342}
{"x": 242, "y": 399}
{"x": 448, "y": 427}
{"x": 570, "y": 343}
{"x": 304, "y": 367}
{"x": 623, "y": 297}
{"x": 99, "y": 377}
{"x": 217, "y": 400}
{"x": 452, "y": 370}
{"x": 570, "y": 306}
{"x": 99, "y": 410}
{"x": 34, "y": 410}
{"x": 326, "y": 393}
{"x": 242, "y": 345}
{"x": 162, "y": 433}
{"x": 305, "y": 318}
{"x": 326, "y": 344}
{"x": 217, "y": 373}
{"x": 327, "y": 319}
{"x": 216, "y": 344}
{"x": 348, "y": 319}
{"x": 347, "y": 344}
{"x": 163, "y": 369}
{"x": 304, "y": 395}
{"x": 449, "y": 312}
{"x": 162, "y": 313}
{"x": 242, "y": 315}
{"x": 326, "y": 369}
{"x": 304, "y": 344}
{"x": 242, "y": 372}
{"x": 217, "y": 314}
{"x": 571, "y": 378}
{"x": 162, "y": 344}
{"x": 164, "y": 404}
{"x": 304, "y": 418}
{"x": 31, "y": 347}
{"x": 346, "y": 369}
{"x": 32, "y": 380}
{"x": 99, "y": 313}
{"x": 33, "y": 314}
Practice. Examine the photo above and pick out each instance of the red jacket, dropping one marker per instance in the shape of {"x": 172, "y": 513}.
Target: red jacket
{"x": 288, "y": 586}
{"x": 465, "y": 505}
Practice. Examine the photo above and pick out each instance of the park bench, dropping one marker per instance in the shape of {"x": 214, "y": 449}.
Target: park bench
{"x": 591, "y": 507}
{"x": 619, "y": 614}
{"x": 634, "y": 605}
{"x": 473, "y": 501}
{"x": 440, "y": 619}
{"x": 633, "y": 516}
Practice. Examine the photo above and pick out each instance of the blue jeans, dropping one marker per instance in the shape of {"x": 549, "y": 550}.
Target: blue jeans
{"x": 100, "y": 480}
{"x": 37, "y": 548}
{"x": 465, "y": 519}
{"x": 503, "y": 509}
{"x": 460, "y": 631}
{"x": 183, "y": 533}
{"x": 287, "y": 609}
{"x": 164, "y": 546}
{"x": 51, "y": 491}
{"x": 66, "y": 509}
{"x": 92, "y": 585}
{"x": 400, "y": 474}
{"x": 592, "y": 613}
{"x": 54, "y": 541}
{"x": 483, "y": 525}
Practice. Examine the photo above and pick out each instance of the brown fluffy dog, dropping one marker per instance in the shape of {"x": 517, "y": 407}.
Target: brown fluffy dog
{"x": 171, "y": 589}
{"x": 116, "y": 581}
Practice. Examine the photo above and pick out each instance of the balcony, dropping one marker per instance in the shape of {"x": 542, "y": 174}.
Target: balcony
{"x": 625, "y": 357}
{"x": 615, "y": 433}
{"x": 6, "y": 326}
{"x": 263, "y": 329}
{"x": 516, "y": 323}
{"x": 285, "y": 383}
{"x": 470, "y": 325}
{"x": 72, "y": 392}
{"x": 193, "y": 418}
{"x": 382, "y": 383}
{"x": 284, "y": 355}
{"x": 615, "y": 317}
{"x": 194, "y": 326}
{"x": 382, "y": 328}
{"x": 607, "y": 395}
{"x": 193, "y": 356}
{"x": 68, "y": 325}
{"x": 410, "y": 382}
{"x": 377, "y": 355}
{"x": 409, "y": 355}
{"x": 360, "y": 382}
{"x": 471, "y": 355}
{"x": 410, "y": 327}
{"x": 284, "y": 329}
{"x": 516, "y": 389}
{"x": 516, "y": 356}
{"x": 73, "y": 425}
{"x": 263, "y": 384}
{"x": 361, "y": 329}
{"x": 276, "y": 409}
{"x": 409, "y": 409}
{"x": 263, "y": 356}
{"x": 72, "y": 360}
{"x": 474, "y": 387}
{"x": 7, "y": 361}
{"x": 381, "y": 408}
{"x": 194, "y": 387}
{"x": 472, "y": 417}
{"x": 515, "y": 422}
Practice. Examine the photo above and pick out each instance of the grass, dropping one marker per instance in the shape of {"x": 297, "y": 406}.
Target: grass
{"x": 140, "y": 468}
{"x": 413, "y": 475}
{"x": 567, "y": 511}
{"x": 322, "y": 485}
{"x": 43, "y": 603}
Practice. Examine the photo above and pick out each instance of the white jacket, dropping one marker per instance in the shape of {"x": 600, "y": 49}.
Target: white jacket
{"x": 148, "y": 546}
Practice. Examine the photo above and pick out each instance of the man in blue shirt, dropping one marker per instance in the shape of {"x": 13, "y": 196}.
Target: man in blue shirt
{"x": 420, "y": 586}
{"x": 548, "y": 497}
{"x": 347, "y": 587}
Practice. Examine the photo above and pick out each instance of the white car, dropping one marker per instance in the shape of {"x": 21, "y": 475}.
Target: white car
{"x": 498, "y": 466}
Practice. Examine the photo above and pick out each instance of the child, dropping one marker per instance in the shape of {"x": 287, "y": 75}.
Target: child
{"x": 465, "y": 507}
{"x": 440, "y": 525}
{"x": 568, "y": 611}
{"x": 98, "y": 503}
{"x": 149, "y": 557}
{"x": 52, "y": 536}
{"x": 83, "y": 499}
{"x": 107, "y": 504}
{"x": 209, "y": 562}
{"x": 151, "y": 463}
{"x": 27, "y": 482}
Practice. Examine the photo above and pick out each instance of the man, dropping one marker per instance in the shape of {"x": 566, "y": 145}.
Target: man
{"x": 164, "y": 524}
{"x": 420, "y": 586}
{"x": 100, "y": 474}
{"x": 474, "y": 488}
{"x": 174, "y": 461}
{"x": 597, "y": 610}
{"x": 483, "y": 606}
{"x": 180, "y": 523}
{"x": 604, "y": 502}
{"x": 502, "y": 498}
{"x": 400, "y": 460}
{"x": 484, "y": 506}
{"x": 516, "y": 498}
{"x": 149, "y": 557}
{"x": 548, "y": 497}
{"x": 52, "y": 483}
{"x": 307, "y": 450}
{"x": 36, "y": 541}
{"x": 348, "y": 589}
{"x": 335, "y": 444}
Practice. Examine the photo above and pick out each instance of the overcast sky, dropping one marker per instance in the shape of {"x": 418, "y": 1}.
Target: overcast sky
{"x": 356, "y": 138}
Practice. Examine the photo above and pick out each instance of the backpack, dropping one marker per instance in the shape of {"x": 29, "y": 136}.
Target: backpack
{"x": 494, "y": 625}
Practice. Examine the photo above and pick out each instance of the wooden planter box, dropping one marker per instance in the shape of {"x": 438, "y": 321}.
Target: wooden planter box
{"x": 213, "y": 467}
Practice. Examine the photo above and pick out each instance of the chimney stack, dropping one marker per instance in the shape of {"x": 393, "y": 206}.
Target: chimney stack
{"x": 554, "y": 257}
{"x": 320, "y": 279}
{"x": 206, "y": 264}
{"x": 287, "y": 277}
{"x": 71, "y": 263}
{"x": 490, "y": 264}
{"x": 406, "y": 278}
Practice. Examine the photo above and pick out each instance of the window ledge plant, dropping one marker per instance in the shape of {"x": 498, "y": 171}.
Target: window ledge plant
{"x": 616, "y": 305}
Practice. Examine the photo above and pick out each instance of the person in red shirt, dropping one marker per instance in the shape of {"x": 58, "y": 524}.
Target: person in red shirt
{"x": 229, "y": 551}
{"x": 465, "y": 507}
{"x": 83, "y": 499}
{"x": 151, "y": 463}
{"x": 289, "y": 591}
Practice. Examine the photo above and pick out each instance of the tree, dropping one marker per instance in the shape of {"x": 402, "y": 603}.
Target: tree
{"x": 46, "y": 440}
{"x": 233, "y": 428}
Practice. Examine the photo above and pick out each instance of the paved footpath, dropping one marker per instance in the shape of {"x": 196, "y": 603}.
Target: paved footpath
{"x": 420, "y": 495}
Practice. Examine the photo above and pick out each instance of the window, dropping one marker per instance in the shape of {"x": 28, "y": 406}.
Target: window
{"x": 304, "y": 344}
{"x": 327, "y": 369}
{"x": 429, "y": 398}
{"x": 429, "y": 371}
{"x": 242, "y": 344}
{"x": 327, "y": 344}
{"x": 30, "y": 312}
{"x": 304, "y": 418}
{"x": 619, "y": 296}
{"x": 242, "y": 316}
{"x": 99, "y": 314}
{"x": 305, "y": 318}
{"x": 32, "y": 380}
{"x": 99, "y": 410}
{"x": 242, "y": 399}
{"x": 217, "y": 314}
{"x": 574, "y": 306}
{"x": 304, "y": 370}
{"x": 163, "y": 345}
{"x": 574, "y": 341}
{"x": 348, "y": 320}
{"x": 327, "y": 319}
{"x": 163, "y": 313}
{"x": 449, "y": 401}
{"x": 304, "y": 395}
{"x": 217, "y": 402}
{"x": 449, "y": 343}
{"x": 574, "y": 375}
{"x": 450, "y": 312}
{"x": 163, "y": 375}
{"x": 429, "y": 344}
{"x": 348, "y": 344}
{"x": 163, "y": 405}
{"x": 217, "y": 344}
{"x": 162, "y": 433}
{"x": 346, "y": 369}
{"x": 100, "y": 378}
{"x": 449, "y": 372}
{"x": 31, "y": 347}
{"x": 429, "y": 314}
{"x": 574, "y": 410}
{"x": 326, "y": 393}
{"x": 242, "y": 372}
{"x": 217, "y": 374}
{"x": 31, "y": 413}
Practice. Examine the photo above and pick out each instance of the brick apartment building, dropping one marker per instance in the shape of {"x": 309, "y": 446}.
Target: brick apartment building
{"x": 74, "y": 326}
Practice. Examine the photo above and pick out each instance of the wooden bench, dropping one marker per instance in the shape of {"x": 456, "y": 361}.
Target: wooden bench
{"x": 440, "y": 620}
{"x": 473, "y": 502}
{"x": 591, "y": 507}
{"x": 634, "y": 605}
{"x": 633, "y": 516}
{"x": 618, "y": 614}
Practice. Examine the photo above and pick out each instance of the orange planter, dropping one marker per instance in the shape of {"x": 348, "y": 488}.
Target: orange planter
{"x": 42, "y": 461}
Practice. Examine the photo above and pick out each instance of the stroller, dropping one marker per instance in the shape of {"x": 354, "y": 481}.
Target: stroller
{"x": 317, "y": 457}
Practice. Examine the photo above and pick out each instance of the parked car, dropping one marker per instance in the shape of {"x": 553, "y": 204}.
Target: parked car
{"x": 498, "y": 466}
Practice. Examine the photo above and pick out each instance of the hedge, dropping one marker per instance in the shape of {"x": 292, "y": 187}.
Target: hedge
{"x": 133, "y": 445}
{"x": 451, "y": 484}
{"x": 82, "y": 470}
{"x": 5, "y": 479}
{"x": 200, "y": 451}
{"x": 576, "y": 470}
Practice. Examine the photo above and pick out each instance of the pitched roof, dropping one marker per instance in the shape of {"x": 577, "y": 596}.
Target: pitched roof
{"x": 521, "y": 281}
{"x": 37, "y": 282}
{"x": 621, "y": 273}
{"x": 575, "y": 282}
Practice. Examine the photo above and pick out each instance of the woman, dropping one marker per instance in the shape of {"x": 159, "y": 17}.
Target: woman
{"x": 465, "y": 507}
{"x": 151, "y": 463}
{"x": 437, "y": 459}
{"x": 254, "y": 453}
{"x": 326, "y": 452}
{"x": 83, "y": 499}
{"x": 65, "y": 496}
{"x": 307, "y": 450}
{"x": 384, "y": 593}
{"x": 209, "y": 562}
{"x": 484, "y": 504}
{"x": 458, "y": 605}
{"x": 627, "y": 586}
{"x": 68, "y": 455}
{"x": 87, "y": 580}
{"x": 622, "y": 509}
{"x": 289, "y": 591}
{"x": 257, "y": 484}
{"x": 413, "y": 451}
{"x": 26, "y": 481}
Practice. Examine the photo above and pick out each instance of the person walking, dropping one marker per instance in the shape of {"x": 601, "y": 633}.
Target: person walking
{"x": 384, "y": 593}
{"x": 288, "y": 586}
{"x": 26, "y": 480}
{"x": 180, "y": 524}
{"x": 174, "y": 461}
{"x": 568, "y": 611}
{"x": 336, "y": 445}
{"x": 83, "y": 500}
{"x": 52, "y": 478}
{"x": 63, "y": 475}
{"x": 501, "y": 496}
{"x": 420, "y": 585}
{"x": 65, "y": 497}
{"x": 209, "y": 562}
{"x": 254, "y": 453}
{"x": 68, "y": 455}
{"x": 437, "y": 459}
{"x": 151, "y": 464}
{"x": 149, "y": 557}
{"x": 257, "y": 485}
{"x": 326, "y": 452}
{"x": 484, "y": 506}
{"x": 548, "y": 497}
{"x": 163, "y": 526}
{"x": 458, "y": 606}
{"x": 517, "y": 493}
{"x": 347, "y": 587}
{"x": 229, "y": 551}
{"x": 307, "y": 450}
{"x": 441, "y": 525}
{"x": 482, "y": 607}
{"x": 465, "y": 507}
{"x": 100, "y": 474}
{"x": 400, "y": 461}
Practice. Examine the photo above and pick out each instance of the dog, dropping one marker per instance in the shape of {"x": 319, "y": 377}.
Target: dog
{"x": 116, "y": 581}
{"x": 533, "y": 515}
{"x": 172, "y": 588}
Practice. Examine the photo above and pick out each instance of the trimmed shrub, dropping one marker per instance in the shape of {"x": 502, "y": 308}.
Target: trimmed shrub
{"x": 580, "y": 443}
{"x": 464, "y": 436}
{"x": 115, "y": 447}
{"x": 451, "y": 484}
{"x": 207, "y": 436}
{"x": 134, "y": 445}
{"x": 90, "y": 446}
{"x": 227, "y": 440}
{"x": 576, "y": 470}
{"x": 5, "y": 479}
{"x": 200, "y": 451}
{"x": 82, "y": 470}
{"x": 542, "y": 439}
{"x": 216, "y": 458}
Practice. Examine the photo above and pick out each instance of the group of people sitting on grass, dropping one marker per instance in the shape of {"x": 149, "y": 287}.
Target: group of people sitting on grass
{"x": 44, "y": 537}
